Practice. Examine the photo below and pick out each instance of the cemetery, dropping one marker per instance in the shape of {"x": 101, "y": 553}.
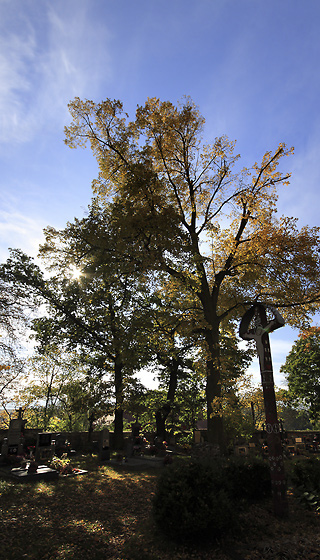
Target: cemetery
{"x": 176, "y": 251}
{"x": 49, "y": 453}
{"x": 29, "y": 454}
{"x": 113, "y": 511}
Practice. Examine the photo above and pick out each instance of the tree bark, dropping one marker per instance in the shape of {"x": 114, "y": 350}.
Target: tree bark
{"x": 90, "y": 430}
{"x": 164, "y": 411}
{"x": 213, "y": 389}
{"x": 118, "y": 414}
{"x": 161, "y": 417}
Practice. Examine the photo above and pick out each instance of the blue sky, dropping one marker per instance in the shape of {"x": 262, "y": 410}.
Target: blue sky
{"x": 252, "y": 66}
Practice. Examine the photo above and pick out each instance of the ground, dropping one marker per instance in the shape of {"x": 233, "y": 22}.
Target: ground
{"x": 107, "y": 514}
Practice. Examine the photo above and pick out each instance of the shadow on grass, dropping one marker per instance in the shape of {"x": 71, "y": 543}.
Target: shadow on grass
{"x": 83, "y": 517}
{"x": 107, "y": 514}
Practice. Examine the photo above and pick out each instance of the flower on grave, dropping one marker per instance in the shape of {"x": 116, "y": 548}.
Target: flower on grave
{"x": 62, "y": 464}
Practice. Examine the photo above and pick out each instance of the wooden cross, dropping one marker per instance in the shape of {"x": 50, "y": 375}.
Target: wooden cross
{"x": 260, "y": 333}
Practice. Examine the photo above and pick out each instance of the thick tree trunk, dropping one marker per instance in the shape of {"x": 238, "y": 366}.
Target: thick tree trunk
{"x": 90, "y": 430}
{"x": 118, "y": 414}
{"x": 213, "y": 390}
{"x": 164, "y": 411}
{"x": 161, "y": 417}
{"x": 118, "y": 429}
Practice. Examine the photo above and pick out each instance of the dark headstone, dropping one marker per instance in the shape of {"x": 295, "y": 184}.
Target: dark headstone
{"x": 104, "y": 445}
{"x": 44, "y": 447}
{"x": 13, "y": 444}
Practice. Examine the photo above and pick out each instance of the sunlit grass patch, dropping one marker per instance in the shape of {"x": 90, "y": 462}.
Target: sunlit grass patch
{"x": 91, "y": 527}
{"x": 65, "y": 551}
{"x": 44, "y": 488}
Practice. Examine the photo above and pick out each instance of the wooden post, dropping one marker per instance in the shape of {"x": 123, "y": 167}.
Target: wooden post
{"x": 260, "y": 333}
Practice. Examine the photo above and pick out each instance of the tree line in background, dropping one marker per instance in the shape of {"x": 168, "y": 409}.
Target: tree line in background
{"x": 175, "y": 246}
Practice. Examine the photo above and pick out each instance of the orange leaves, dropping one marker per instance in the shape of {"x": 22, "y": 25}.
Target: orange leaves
{"x": 310, "y": 332}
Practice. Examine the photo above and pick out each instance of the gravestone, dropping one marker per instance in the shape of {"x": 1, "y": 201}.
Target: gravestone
{"x": 197, "y": 436}
{"x": 13, "y": 444}
{"x": 15, "y": 437}
{"x": 44, "y": 447}
{"x": 300, "y": 445}
{"x": 136, "y": 437}
{"x": 104, "y": 445}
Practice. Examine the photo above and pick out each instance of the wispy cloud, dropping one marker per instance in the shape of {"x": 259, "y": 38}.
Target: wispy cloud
{"x": 19, "y": 232}
{"x": 17, "y": 52}
{"x": 49, "y": 56}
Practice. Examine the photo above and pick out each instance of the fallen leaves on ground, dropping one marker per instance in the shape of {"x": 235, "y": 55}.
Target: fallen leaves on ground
{"x": 107, "y": 514}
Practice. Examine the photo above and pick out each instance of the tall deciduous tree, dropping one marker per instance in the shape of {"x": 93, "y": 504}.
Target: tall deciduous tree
{"x": 197, "y": 219}
{"x": 302, "y": 371}
{"x": 95, "y": 312}
{"x": 15, "y": 308}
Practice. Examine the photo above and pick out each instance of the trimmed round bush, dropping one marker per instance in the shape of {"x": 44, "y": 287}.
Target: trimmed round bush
{"x": 248, "y": 479}
{"x": 191, "y": 502}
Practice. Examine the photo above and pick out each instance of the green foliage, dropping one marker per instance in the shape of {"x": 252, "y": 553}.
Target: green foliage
{"x": 309, "y": 499}
{"x": 190, "y": 503}
{"x": 237, "y": 422}
{"x": 199, "y": 500}
{"x": 61, "y": 392}
{"x": 306, "y": 474}
{"x": 302, "y": 370}
{"x": 15, "y": 308}
{"x": 95, "y": 314}
{"x": 296, "y": 419}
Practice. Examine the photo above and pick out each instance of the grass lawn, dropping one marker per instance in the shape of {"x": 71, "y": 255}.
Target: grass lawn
{"x": 106, "y": 514}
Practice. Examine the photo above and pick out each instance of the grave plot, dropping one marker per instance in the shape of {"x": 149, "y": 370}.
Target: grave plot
{"x": 42, "y": 472}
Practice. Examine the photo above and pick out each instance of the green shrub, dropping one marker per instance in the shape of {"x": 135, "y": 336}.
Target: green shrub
{"x": 190, "y": 502}
{"x": 306, "y": 474}
{"x": 197, "y": 499}
{"x": 248, "y": 479}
